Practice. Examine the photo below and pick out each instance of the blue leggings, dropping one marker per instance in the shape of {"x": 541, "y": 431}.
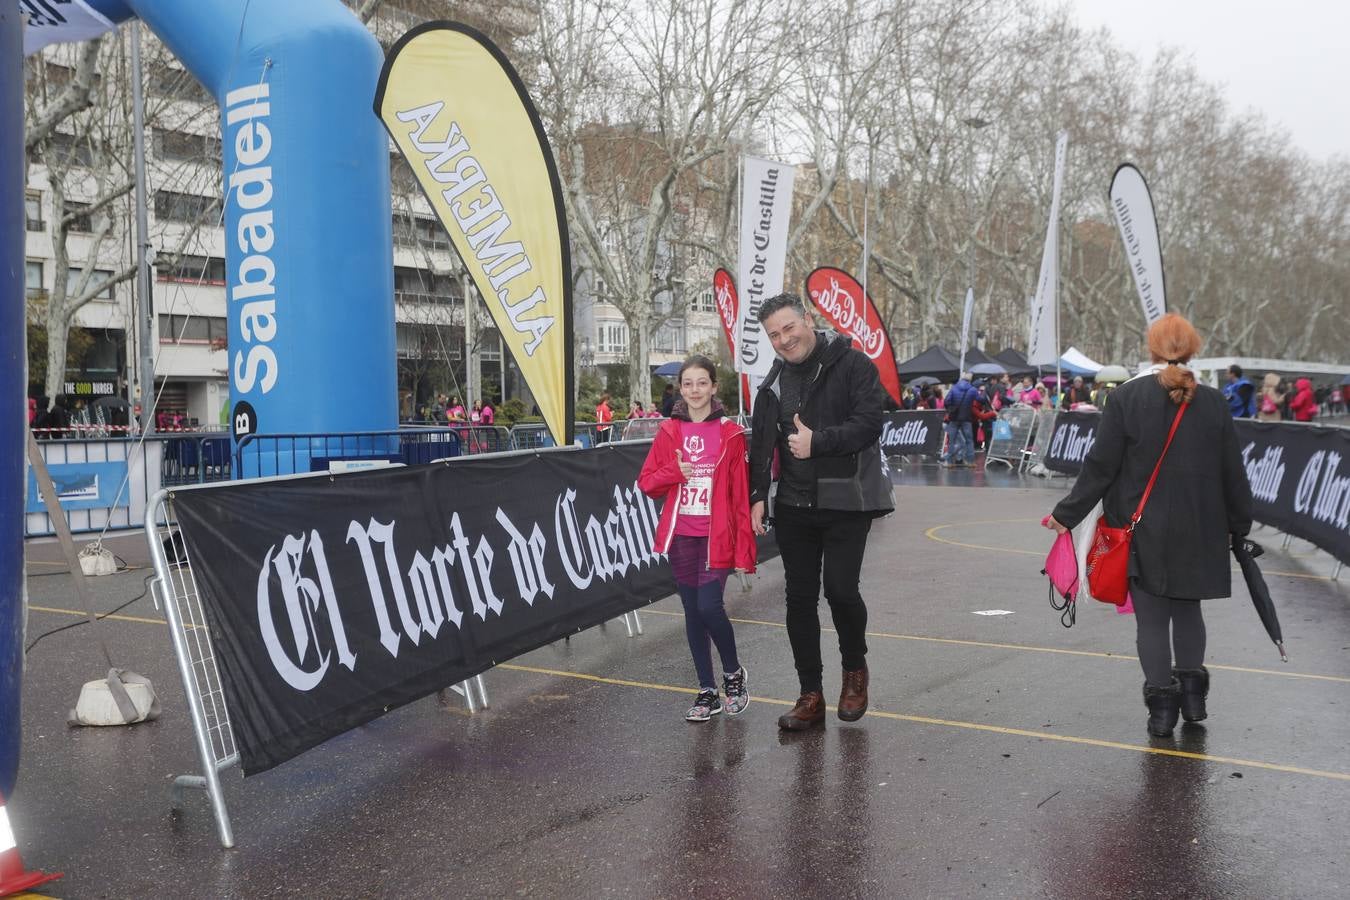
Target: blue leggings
{"x": 705, "y": 618}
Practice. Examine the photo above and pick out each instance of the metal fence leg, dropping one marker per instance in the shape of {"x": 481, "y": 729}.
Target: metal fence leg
{"x": 1336, "y": 575}
{"x": 482, "y": 690}
{"x": 180, "y": 786}
{"x": 628, "y": 623}
{"x": 211, "y": 779}
{"x": 1288, "y": 538}
{"x": 637, "y": 621}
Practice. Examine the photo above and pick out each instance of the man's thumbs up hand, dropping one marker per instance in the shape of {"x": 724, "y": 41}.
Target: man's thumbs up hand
{"x": 799, "y": 444}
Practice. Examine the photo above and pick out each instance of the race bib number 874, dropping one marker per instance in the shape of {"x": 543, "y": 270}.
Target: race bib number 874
{"x": 695, "y": 496}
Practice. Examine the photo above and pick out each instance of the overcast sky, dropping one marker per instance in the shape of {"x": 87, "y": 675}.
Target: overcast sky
{"x": 1289, "y": 59}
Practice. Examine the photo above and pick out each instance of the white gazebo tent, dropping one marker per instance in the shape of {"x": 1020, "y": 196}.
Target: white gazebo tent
{"x": 1213, "y": 370}
{"x": 1077, "y": 362}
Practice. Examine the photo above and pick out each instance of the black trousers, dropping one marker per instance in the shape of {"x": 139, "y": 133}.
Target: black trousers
{"x": 828, "y": 543}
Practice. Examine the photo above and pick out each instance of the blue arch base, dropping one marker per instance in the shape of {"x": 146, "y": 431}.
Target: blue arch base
{"x": 13, "y": 410}
{"x": 308, "y": 236}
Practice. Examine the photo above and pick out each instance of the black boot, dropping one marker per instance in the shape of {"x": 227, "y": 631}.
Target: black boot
{"x": 1194, "y": 690}
{"x": 1164, "y": 705}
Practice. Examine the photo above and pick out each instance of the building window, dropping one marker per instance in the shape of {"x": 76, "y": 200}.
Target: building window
{"x": 191, "y": 269}
{"x": 78, "y": 218}
{"x": 178, "y": 84}
{"x": 32, "y": 278}
{"x": 429, "y": 342}
{"x": 181, "y": 146}
{"x": 193, "y": 330}
{"x": 424, "y": 286}
{"x": 420, "y": 231}
{"x": 178, "y": 207}
{"x": 32, "y": 211}
{"x": 612, "y": 337}
{"x": 670, "y": 337}
{"x": 97, "y": 277}
{"x": 63, "y": 150}
{"x": 704, "y": 301}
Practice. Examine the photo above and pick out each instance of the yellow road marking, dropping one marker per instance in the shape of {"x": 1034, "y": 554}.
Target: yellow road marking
{"x": 922, "y": 720}
{"x": 969, "y": 726}
{"x": 932, "y": 535}
{"x": 1027, "y": 647}
{"x": 875, "y": 634}
{"x": 116, "y": 616}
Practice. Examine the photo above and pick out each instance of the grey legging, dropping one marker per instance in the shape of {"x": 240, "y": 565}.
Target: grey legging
{"x": 1156, "y": 639}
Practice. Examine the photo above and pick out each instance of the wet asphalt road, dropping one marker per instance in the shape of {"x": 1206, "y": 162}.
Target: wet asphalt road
{"x": 1004, "y": 756}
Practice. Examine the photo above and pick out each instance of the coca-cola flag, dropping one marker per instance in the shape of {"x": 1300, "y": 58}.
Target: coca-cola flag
{"x": 724, "y": 293}
{"x": 728, "y": 307}
{"x": 841, "y": 300}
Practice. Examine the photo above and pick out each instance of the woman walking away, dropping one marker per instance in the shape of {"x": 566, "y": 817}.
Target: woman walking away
{"x": 698, "y": 464}
{"x": 1199, "y": 503}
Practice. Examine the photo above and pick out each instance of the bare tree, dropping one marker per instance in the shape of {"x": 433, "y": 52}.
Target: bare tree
{"x": 637, "y": 99}
{"x": 78, "y": 121}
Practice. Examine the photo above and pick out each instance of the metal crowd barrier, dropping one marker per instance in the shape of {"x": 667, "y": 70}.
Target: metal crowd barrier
{"x": 174, "y": 589}
{"x": 476, "y": 439}
{"x": 80, "y": 468}
{"x": 1012, "y": 451}
{"x": 195, "y": 459}
{"x": 1038, "y": 443}
{"x": 535, "y": 436}
{"x": 267, "y": 455}
{"x": 643, "y": 429}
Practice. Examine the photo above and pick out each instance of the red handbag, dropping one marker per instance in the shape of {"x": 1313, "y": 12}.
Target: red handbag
{"x": 1108, "y": 561}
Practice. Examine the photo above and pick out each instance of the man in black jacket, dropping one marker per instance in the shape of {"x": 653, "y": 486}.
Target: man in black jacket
{"x": 819, "y": 409}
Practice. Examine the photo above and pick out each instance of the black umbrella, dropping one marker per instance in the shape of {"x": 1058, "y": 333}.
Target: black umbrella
{"x": 111, "y": 402}
{"x": 1246, "y": 551}
{"x": 922, "y": 381}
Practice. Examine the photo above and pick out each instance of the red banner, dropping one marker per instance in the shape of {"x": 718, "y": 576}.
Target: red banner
{"x": 724, "y": 293}
{"x": 840, "y": 299}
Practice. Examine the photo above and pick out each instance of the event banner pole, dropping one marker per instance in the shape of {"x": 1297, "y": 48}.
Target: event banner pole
{"x": 965, "y": 328}
{"x": 1132, "y": 206}
{"x": 766, "y": 207}
{"x": 1043, "y": 340}
{"x": 460, "y": 114}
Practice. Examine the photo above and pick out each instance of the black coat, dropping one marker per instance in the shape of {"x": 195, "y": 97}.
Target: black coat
{"x": 842, "y": 405}
{"x": 1181, "y": 545}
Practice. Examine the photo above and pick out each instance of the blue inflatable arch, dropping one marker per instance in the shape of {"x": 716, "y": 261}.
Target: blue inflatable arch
{"x": 309, "y": 251}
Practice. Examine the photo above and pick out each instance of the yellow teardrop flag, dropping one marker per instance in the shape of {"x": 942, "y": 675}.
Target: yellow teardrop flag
{"x": 460, "y": 114}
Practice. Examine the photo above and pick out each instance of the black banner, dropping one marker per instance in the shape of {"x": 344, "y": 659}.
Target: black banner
{"x": 917, "y": 431}
{"x": 1070, "y": 441}
{"x": 1300, "y": 478}
{"x": 1299, "y": 474}
{"x": 333, "y": 600}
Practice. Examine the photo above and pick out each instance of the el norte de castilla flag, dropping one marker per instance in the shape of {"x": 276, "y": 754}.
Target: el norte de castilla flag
{"x": 461, "y": 116}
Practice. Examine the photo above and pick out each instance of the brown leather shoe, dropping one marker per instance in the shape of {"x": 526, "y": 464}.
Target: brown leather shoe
{"x": 809, "y": 711}
{"x": 853, "y": 696}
